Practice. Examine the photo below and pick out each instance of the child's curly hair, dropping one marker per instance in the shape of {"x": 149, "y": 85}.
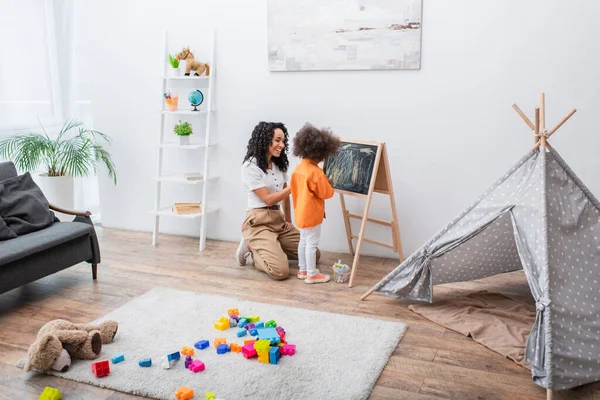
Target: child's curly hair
{"x": 258, "y": 145}
{"x": 315, "y": 144}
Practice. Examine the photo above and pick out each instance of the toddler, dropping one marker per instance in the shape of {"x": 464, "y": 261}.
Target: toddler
{"x": 310, "y": 188}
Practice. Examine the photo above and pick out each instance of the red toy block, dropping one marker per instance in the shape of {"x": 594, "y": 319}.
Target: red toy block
{"x": 101, "y": 368}
{"x": 248, "y": 350}
{"x": 187, "y": 351}
{"x": 197, "y": 366}
{"x": 233, "y": 311}
{"x": 288, "y": 350}
{"x": 184, "y": 393}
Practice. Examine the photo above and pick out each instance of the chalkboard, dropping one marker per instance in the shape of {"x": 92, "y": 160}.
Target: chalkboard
{"x": 351, "y": 167}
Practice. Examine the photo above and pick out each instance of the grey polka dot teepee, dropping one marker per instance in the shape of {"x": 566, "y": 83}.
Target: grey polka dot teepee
{"x": 541, "y": 218}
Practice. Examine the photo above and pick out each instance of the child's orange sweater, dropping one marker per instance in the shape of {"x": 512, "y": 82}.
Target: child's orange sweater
{"x": 310, "y": 188}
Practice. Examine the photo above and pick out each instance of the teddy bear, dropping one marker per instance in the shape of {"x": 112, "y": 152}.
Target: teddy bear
{"x": 59, "y": 341}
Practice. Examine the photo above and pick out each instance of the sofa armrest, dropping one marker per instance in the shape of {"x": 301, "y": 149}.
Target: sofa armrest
{"x": 70, "y": 212}
{"x": 94, "y": 239}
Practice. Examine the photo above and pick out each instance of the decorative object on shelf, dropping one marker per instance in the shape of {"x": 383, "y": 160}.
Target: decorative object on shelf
{"x": 185, "y": 208}
{"x": 191, "y": 64}
{"x": 74, "y": 152}
{"x": 183, "y": 130}
{"x": 174, "y": 62}
{"x": 171, "y": 101}
{"x": 196, "y": 98}
{"x": 193, "y": 176}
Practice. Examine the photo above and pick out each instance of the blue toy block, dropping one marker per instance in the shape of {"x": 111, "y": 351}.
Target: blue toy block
{"x": 174, "y": 356}
{"x": 117, "y": 358}
{"x": 243, "y": 321}
{"x": 260, "y": 325}
{"x": 201, "y": 344}
{"x": 269, "y": 334}
{"x": 241, "y": 332}
{"x": 146, "y": 362}
{"x": 223, "y": 348}
{"x": 274, "y": 355}
{"x": 253, "y": 332}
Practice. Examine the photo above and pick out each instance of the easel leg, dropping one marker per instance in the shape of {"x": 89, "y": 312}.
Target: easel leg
{"x": 347, "y": 224}
{"x": 390, "y": 188}
{"x": 549, "y": 394}
{"x": 361, "y": 233}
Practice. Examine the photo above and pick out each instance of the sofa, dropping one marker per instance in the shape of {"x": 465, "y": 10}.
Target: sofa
{"x": 59, "y": 245}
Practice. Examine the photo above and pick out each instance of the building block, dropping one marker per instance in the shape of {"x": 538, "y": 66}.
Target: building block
{"x": 253, "y": 332}
{"x": 233, "y": 311}
{"x": 274, "y": 355}
{"x": 222, "y": 324}
{"x": 197, "y": 366}
{"x": 288, "y": 349}
{"x": 50, "y": 393}
{"x": 146, "y": 362}
{"x": 271, "y": 324}
{"x": 248, "y": 350}
{"x": 174, "y": 356}
{"x": 201, "y": 344}
{"x": 188, "y": 361}
{"x": 263, "y": 356}
{"x": 117, "y": 358}
{"x": 254, "y": 318}
{"x": 236, "y": 317}
{"x": 242, "y": 322}
{"x": 210, "y": 396}
{"x": 281, "y": 336}
{"x": 262, "y": 345}
{"x": 223, "y": 348}
{"x": 241, "y": 332}
{"x": 101, "y": 368}
{"x": 250, "y": 326}
{"x": 248, "y": 341}
{"x": 219, "y": 341}
{"x": 280, "y": 329}
{"x": 167, "y": 364}
{"x": 187, "y": 351}
{"x": 232, "y": 323}
{"x": 269, "y": 334}
{"x": 260, "y": 325}
{"x": 184, "y": 393}
{"x": 236, "y": 348}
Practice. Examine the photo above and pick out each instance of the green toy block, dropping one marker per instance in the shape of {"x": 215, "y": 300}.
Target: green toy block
{"x": 271, "y": 324}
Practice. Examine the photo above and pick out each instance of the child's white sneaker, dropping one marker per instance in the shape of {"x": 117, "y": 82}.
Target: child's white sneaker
{"x": 317, "y": 278}
{"x": 301, "y": 274}
{"x": 243, "y": 253}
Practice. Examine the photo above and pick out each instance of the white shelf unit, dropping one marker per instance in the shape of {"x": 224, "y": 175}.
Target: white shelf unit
{"x": 161, "y": 210}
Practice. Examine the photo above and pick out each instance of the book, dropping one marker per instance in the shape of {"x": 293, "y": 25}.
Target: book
{"x": 182, "y": 208}
{"x": 193, "y": 176}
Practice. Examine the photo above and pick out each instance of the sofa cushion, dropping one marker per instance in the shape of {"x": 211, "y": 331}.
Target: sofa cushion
{"x": 57, "y": 233}
{"x": 23, "y": 206}
{"x": 5, "y": 231}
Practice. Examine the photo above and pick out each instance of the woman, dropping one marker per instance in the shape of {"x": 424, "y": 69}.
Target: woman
{"x": 268, "y": 235}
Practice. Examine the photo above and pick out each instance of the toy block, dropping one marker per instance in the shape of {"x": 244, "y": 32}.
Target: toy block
{"x": 233, "y": 311}
{"x": 253, "y": 332}
{"x": 248, "y": 350}
{"x": 223, "y": 348}
{"x": 235, "y": 317}
{"x": 232, "y": 323}
{"x": 248, "y": 341}
{"x": 50, "y": 393}
{"x": 271, "y": 324}
{"x": 201, "y": 344}
{"x": 236, "y": 348}
{"x": 274, "y": 355}
{"x": 146, "y": 362}
{"x": 187, "y": 351}
{"x": 242, "y": 322}
{"x": 219, "y": 341}
{"x": 281, "y": 337}
{"x": 260, "y": 325}
{"x": 117, "y": 358}
{"x": 222, "y": 326}
{"x": 101, "y": 368}
{"x": 184, "y": 393}
{"x": 210, "y": 396}
{"x": 197, "y": 366}
{"x": 174, "y": 356}
{"x": 241, "y": 332}
{"x": 263, "y": 357}
{"x": 262, "y": 345}
{"x": 270, "y": 334}
{"x": 188, "y": 361}
{"x": 254, "y": 318}
{"x": 288, "y": 349}
{"x": 166, "y": 364}
{"x": 250, "y": 326}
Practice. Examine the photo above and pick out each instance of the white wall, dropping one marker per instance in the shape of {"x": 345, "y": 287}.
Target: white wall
{"x": 449, "y": 127}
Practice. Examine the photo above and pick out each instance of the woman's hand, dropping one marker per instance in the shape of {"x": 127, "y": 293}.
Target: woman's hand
{"x": 288, "y": 226}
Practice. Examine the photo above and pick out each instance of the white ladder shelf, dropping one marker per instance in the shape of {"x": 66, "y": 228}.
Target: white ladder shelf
{"x": 206, "y": 209}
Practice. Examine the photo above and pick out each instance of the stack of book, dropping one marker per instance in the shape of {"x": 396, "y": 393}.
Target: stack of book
{"x": 186, "y": 208}
{"x": 193, "y": 176}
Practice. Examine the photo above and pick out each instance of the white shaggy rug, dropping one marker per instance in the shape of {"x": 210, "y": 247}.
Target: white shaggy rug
{"x": 337, "y": 356}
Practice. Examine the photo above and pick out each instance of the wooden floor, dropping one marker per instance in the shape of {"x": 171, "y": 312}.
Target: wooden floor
{"x": 429, "y": 363}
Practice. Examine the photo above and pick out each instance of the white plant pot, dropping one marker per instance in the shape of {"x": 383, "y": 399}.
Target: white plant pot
{"x": 59, "y": 190}
{"x": 184, "y": 140}
{"x": 182, "y": 66}
{"x": 174, "y": 71}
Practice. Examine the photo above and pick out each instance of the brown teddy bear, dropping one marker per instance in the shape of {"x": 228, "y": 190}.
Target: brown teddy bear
{"x": 59, "y": 341}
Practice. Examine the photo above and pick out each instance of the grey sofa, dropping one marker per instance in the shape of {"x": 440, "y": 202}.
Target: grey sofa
{"x": 38, "y": 254}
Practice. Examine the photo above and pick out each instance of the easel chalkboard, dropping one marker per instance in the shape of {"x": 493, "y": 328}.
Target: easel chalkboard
{"x": 359, "y": 169}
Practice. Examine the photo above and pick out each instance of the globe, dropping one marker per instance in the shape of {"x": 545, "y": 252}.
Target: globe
{"x": 195, "y": 98}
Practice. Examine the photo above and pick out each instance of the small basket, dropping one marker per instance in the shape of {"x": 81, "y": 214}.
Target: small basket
{"x": 341, "y": 272}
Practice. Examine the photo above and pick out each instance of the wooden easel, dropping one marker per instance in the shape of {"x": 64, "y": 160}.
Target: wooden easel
{"x": 381, "y": 182}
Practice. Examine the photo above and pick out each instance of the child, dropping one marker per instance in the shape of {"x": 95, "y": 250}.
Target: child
{"x": 310, "y": 188}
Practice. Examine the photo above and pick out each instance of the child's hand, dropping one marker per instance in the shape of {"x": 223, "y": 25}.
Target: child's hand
{"x": 288, "y": 226}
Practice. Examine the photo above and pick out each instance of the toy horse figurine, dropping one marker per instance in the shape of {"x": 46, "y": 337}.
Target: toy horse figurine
{"x": 191, "y": 64}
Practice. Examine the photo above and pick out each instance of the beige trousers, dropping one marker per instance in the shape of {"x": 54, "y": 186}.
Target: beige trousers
{"x": 271, "y": 246}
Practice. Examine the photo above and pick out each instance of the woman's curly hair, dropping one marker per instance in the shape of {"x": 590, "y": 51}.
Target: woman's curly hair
{"x": 259, "y": 143}
{"x": 315, "y": 144}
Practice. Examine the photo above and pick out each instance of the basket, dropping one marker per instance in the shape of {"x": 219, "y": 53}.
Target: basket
{"x": 341, "y": 272}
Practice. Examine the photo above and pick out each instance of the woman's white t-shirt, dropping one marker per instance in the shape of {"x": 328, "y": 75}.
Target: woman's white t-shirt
{"x": 254, "y": 178}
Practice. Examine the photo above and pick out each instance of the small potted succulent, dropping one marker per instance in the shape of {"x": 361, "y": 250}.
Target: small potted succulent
{"x": 183, "y": 130}
{"x": 174, "y": 62}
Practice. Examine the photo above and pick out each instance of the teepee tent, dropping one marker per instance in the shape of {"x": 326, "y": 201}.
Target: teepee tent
{"x": 541, "y": 218}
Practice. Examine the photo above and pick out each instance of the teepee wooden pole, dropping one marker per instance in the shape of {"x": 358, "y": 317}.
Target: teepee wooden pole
{"x": 542, "y": 112}
{"x": 549, "y": 394}
{"x": 561, "y": 122}
{"x": 527, "y": 121}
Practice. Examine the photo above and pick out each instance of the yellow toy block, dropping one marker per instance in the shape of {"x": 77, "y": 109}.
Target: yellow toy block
{"x": 233, "y": 311}
{"x": 187, "y": 351}
{"x": 50, "y": 393}
{"x": 222, "y": 324}
{"x": 262, "y": 345}
{"x": 254, "y": 318}
{"x": 263, "y": 356}
{"x": 219, "y": 341}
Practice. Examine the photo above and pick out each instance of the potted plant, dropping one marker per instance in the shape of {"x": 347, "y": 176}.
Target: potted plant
{"x": 174, "y": 62}
{"x": 183, "y": 130}
{"x": 74, "y": 152}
